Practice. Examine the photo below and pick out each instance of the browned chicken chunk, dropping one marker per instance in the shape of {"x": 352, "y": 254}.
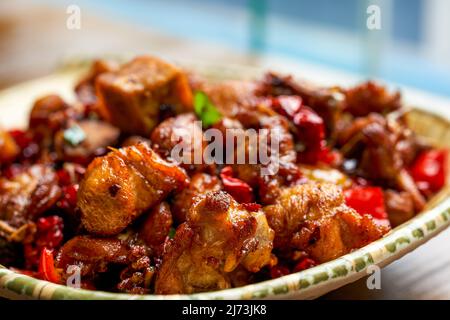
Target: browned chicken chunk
{"x": 314, "y": 218}
{"x": 48, "y": 115}
{"x": 120, "y": 186}
{"x": 200, "y": 184}
{"x": 92, "y": 139}
{"x": 218, "y": 236}
{"x": 156, "y": 227}
{"x": 182, "y": 137}
{"x": 8, "y": 147}
{"x": 95, "y": 256}
{"x": 27, "y": 195}
{"x": 85, "y": 89}
{"x": 131, "y": 97}
{"x": 399, "y": 206}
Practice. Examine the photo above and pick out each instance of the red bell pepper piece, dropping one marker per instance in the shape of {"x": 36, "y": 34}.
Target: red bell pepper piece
{"x": 304, "y": 264}
{"x": 47, "y": 267}
{"x": 368, "y": 200}
{"x": 429, "y": 170}
{"x": 238, "y": 189}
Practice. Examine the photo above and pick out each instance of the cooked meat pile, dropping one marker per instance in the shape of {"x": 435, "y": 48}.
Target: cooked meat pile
{"x": 94, "y": 187}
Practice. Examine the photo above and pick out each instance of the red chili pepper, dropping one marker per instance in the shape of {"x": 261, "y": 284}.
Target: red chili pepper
{"x": 429, "y": 170}
{"x": 238, "y": 189}
{"x": 24, "y": 139}
{"x": 310, "y": 126}
{"x": 287, "y": 105}
{"x": 368, "y": 200}
{"x": 63, "y": 177}
{"x": 69, "y": 198}
{"x": 304, "y": 264}
{"x": 279, "y": 271}
{"x": 49, "y": 234}
{"x": 47, "y": 267}
{"x": 12, "y": 170}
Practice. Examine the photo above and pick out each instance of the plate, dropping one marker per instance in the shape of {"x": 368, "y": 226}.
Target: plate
{"x": 16, "y": 102}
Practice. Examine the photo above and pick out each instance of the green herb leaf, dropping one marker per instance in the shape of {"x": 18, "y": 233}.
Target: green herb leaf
{"x": 171, "y": 233}
{"x": 74, "y": 135}
{"x": 205, "y": 109}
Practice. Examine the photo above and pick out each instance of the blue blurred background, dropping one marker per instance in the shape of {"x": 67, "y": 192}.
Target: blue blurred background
{"x": 412, "y": 48}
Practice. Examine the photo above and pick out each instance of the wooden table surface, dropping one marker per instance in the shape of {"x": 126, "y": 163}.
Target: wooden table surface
{"x": 34, "y": 40}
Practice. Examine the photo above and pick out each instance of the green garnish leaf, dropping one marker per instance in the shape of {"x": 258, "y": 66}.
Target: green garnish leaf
{"x": 171, "y": 233}
{"x": 74, "y": 135}
{"x": 205, "y": 109}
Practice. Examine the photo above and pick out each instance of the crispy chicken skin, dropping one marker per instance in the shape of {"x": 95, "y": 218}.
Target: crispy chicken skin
{"x": 120, "y": 186}
{"x": 91, "y": 254}
{"x": 156, "y": 227}
{"x": 200, "y": 184}
{"x": 218, "y": 236}
{"x": 26, "y": 196}
{"x": 95, "y": 256}
{"x": 182, "y": 135}
{"x": 130, "y": 98}
{"x": 313, "y": 218}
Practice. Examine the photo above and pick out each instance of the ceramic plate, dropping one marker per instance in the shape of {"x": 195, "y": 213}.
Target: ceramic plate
{"x": 14, "y": 107}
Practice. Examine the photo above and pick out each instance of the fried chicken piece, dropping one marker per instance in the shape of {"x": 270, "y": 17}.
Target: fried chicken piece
{"x": 48, "y": 115}
{"x": 200, "y": 184}
{"x": 27, "y": 195}
{"x": 119, "y": 187}
{"x": 156, "y": 227}
{"x": 399, "y": 206}
{"x": 130, "y": 98}
{"x": 328, "y": 103}
{"x": 370, "y": 97}
{"x": 97, "y": 136}
{"x": 85, "y": 89}
{"x": 218, "y": 237}
{"x": 383, "y": 148}
{"x": 182, "y": 137}
{"x": 9, "y": 150}
{"x": 91, "y": 254}
{"x": 314, "y": 218}
{"x": 279, "y": 166}
{"x": 229, "y": 97}
{"x": 238, "y": 102}
{"x": 96, "y": 255}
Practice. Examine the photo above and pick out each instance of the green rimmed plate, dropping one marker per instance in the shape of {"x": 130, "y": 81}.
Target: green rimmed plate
{"x": 14, "y": 106}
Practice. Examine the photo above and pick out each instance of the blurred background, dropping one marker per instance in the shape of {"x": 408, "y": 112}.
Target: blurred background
{"x": 412, "y": 47}
{"x": 323, "y": 40}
